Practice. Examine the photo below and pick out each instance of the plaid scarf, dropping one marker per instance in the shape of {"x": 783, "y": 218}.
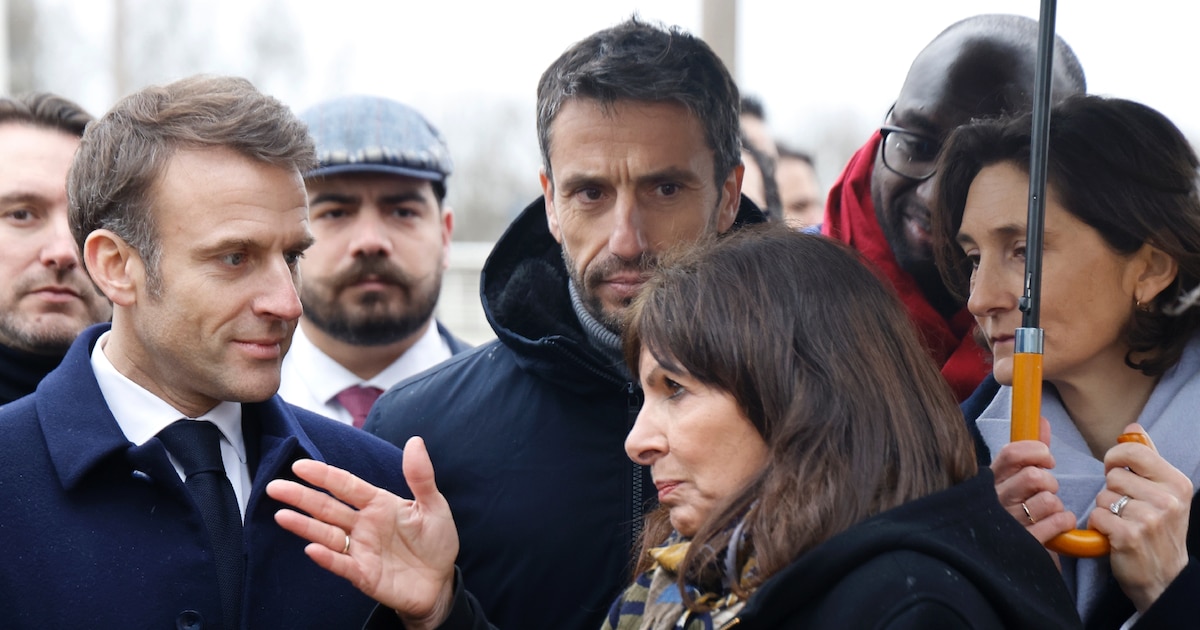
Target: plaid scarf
{"x": 654, "y": 601}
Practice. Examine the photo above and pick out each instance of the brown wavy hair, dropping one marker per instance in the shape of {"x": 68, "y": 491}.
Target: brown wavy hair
{"x": 44, "y": 110}
{"x": 825, "y": 363}
{"x": 124, "y": 153}
{"x": 1118, "y": 166}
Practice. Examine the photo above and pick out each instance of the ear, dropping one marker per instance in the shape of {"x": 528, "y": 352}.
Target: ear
{"x": 114, "y": 266}
{"x": 1156, "y": 270}
{"x": 447, "y": 233}
{"x": 548, "y": 196}
{"x": 731, "y": 198}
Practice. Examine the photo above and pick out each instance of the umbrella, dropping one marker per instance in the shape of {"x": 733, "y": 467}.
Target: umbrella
{"x": 1029, "y": 338}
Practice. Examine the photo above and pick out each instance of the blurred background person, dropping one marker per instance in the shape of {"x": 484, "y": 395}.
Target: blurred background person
{"x": 753, "y": 119}
{"x": 46, "y": 298}
{"x": 758, "y": 181}
{"x": 1122, "y": 254}
{"x": 808, "y": 458}
{"x": 759, "y": 154}
{"x": 800, "y": 193}
{"x": 371, "y": 280}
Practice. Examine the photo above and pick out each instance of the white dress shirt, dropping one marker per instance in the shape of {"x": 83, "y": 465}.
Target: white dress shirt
{"x": 312, "y": 379}
{"x": 141, "y": 415}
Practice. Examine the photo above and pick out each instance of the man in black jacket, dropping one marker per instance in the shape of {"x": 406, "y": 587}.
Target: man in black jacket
{"x": 46, "y": 298}
{"x": 638, "y": 128}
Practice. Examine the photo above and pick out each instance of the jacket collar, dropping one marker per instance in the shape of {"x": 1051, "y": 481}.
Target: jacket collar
{"x": 81, "y": 433}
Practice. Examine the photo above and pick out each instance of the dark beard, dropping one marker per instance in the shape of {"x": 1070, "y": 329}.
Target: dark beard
{"x": 585, "y": 286}
{"x": 377, "y": 327}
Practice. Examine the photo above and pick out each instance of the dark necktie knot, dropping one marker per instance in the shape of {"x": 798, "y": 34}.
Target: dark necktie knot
{"x": 195, "y": 444}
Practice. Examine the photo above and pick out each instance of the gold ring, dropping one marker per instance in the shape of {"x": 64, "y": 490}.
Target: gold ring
{"x": 346, "y": 549}
{"x": 1023, "y": 507}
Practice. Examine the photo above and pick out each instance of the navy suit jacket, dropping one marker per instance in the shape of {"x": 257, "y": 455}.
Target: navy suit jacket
{"x": 101, "y": 533}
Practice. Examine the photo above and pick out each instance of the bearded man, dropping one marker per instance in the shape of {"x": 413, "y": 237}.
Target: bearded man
{"x": 371, "y": 280}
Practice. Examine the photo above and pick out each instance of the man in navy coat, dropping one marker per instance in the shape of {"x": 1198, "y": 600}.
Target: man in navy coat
{"x": 189, "y": 208}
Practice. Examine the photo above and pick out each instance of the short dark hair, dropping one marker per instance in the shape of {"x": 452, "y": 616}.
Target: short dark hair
{"x": 825, "y": 363}
{"x": 773, "y": 205}
{"x": 122, "y": 155}
{"x": 45, "y": 110}
{"x": 752, "y": 106}
{"x": 643, "y": 62}
{"x": 787, "y": 151}
{"x": 1118, "y": 166}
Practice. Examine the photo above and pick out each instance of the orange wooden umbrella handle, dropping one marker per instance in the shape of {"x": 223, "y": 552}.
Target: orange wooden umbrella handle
{"x": 1089, "y": 543}
{"x": 1026, "y": 414}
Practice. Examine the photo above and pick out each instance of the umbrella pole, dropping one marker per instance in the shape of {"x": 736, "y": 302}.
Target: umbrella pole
{"x": 1029, "y": 339}
{"x": 1028, "y": 343}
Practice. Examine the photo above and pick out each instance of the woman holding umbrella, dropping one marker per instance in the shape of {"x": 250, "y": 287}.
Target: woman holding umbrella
{"x": 1120, "y": 264}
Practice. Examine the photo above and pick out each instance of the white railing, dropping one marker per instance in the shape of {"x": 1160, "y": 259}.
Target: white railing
{"x": 458, "y": 307}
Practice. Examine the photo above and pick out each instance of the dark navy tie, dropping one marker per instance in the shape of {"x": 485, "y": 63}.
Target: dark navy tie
{"x": 196, "y": 445}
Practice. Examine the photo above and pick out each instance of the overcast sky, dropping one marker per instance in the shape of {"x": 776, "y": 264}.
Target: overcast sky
{"x": 810, "y": 62}
{"x": 801, "y": 56}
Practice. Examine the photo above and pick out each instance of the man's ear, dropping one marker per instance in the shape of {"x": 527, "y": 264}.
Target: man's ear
{"x": 548, "y": 196}
{"x": 115, "y": 267}
{"x": 731, "y": 198}
{"x": 447, "y": 232}
{"x": 1156, "y": 271}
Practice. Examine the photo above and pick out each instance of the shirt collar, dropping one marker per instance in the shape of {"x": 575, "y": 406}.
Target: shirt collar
{"x": 326, "y": 378}
{"x": 141, "y": 414}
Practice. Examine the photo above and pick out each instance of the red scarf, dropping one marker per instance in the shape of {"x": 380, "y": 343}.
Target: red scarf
{"x": 850, "y": 218}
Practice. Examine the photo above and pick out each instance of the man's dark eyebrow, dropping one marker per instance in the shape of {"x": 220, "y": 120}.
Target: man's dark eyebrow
{"x": 21, "y": 197}
{"x": 669, "y": 175}
{"x": 403, "y": 197}
{"x": 919, "y": 124}
{"x": 582, "y": 180}
{"x": 227, "y": 245}
{"x": 332, "y": 197}
{"x": 236, "y": 244}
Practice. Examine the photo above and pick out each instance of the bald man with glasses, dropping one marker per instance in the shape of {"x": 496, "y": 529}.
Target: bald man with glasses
{"x": 881, "y": 204}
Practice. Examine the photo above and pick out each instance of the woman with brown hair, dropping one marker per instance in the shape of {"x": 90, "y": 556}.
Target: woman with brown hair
{"x": 812, "y": 467}
{"x": 1120, "y": 269}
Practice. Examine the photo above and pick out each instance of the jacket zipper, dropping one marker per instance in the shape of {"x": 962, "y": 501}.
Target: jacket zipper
{"x": 633, "y": 405}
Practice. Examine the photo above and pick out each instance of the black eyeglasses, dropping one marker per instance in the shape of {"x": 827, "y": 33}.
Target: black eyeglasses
{"x": 908, "y": 153}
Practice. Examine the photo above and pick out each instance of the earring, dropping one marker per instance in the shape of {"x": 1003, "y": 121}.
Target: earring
{"x": 1137, "y": 304}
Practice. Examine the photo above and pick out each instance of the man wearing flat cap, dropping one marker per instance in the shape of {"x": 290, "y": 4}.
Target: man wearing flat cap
{"x": 371, "y": 280}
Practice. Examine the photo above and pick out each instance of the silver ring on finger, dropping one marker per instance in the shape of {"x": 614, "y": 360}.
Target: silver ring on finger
{"x": 1119, "y": 505}
{"x": 1027, "y": 514}
{"x": 346, "y": 549}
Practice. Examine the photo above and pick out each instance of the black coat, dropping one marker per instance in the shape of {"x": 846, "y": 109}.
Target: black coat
{"x": 954, "y": 559}
{"x": 527, "y": 436}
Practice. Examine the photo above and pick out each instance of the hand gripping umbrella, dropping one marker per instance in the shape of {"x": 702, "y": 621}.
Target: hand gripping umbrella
{"x": 1028, "y": 342}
